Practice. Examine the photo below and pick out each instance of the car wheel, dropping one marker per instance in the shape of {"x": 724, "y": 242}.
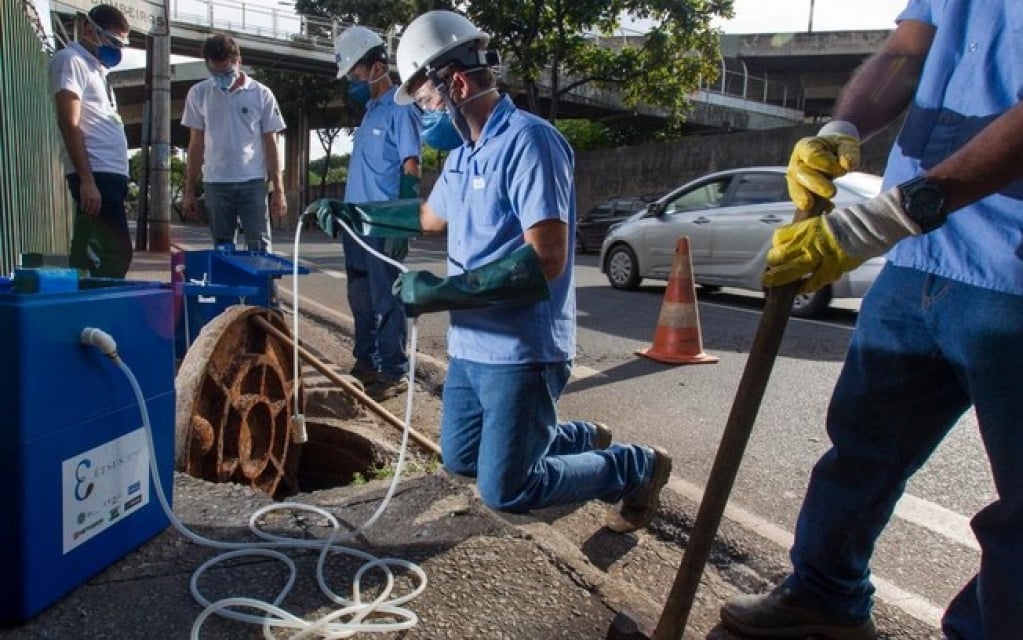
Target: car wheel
{"x": 622, "y": 268}
{"x": 807, "y": 305}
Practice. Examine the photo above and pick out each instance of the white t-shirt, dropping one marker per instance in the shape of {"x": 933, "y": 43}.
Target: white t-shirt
{"x": 76, "y": 70}
{"x": 233, "y": 125}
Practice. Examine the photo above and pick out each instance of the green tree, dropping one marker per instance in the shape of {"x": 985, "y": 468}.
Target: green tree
{"x": 561, "y": 45}
{"x": 328, "y": 170}
{"x": 380, "y": 14}
{"x": 177, "y": 171}
{"x": 586, "y": 135}
{"x": 306, "y": 93}
{"x": 177, "y": 176}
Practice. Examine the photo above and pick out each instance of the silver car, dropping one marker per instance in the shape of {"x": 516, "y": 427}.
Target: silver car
{"x": 729, "y": 217}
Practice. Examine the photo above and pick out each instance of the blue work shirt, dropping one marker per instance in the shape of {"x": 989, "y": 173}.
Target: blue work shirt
{"x": 972, "y": 75}
{"x": 388, "y": 135}
{"x": 519, "y": 173}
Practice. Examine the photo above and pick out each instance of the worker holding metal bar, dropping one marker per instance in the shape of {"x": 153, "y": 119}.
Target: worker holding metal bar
{"x": 938, "y": 333}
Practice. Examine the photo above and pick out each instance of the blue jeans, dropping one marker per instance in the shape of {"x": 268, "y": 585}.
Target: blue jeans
{"x": 101, "y": 244}
{"x": 380, "y": 323}
{"x": 925, "y": 348}
{"x": 500, "y": 425}
{"x": 229, "y": 202}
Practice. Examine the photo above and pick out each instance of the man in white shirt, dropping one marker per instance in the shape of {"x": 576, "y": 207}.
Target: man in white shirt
{"x": 234, "y": 122}
{"x": 95, "y": 147}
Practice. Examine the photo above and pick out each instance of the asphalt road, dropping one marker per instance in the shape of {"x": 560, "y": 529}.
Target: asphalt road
{"x": 927, "y": 552}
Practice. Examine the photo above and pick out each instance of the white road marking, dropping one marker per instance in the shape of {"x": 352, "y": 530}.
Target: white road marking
{"x": 916, "y": 606}
{"x": 938, "y": 519}
{"x": 287, "y": 293}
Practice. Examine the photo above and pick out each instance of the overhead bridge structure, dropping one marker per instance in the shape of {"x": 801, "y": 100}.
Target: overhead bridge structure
{"x": 766, "y": 80}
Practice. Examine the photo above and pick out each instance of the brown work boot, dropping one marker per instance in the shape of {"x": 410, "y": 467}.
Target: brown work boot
{"x": 365, "y": 375}
{"x": 636, "y": 510}
{"x": 780, "y": 614}
{"x": 602, "y": 436}
{"x": 386, "y": 388}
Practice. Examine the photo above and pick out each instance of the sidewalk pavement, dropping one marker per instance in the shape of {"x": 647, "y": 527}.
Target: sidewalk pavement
{"x": 552, "y": 574}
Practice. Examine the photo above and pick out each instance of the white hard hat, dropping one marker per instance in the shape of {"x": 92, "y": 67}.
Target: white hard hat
{"x": 427, "y": 39}
{"x": 352, "y": 45}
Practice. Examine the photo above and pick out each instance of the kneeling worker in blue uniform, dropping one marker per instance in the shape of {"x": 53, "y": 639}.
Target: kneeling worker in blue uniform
{"x": 507, "y": 199}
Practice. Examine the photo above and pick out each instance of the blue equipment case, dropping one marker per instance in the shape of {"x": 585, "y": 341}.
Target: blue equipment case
{"x": 208, "y": 281}
{"x": 78, "y": 494}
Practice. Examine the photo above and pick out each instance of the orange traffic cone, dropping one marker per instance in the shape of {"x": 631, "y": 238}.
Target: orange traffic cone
{"x": 677, "y": 338}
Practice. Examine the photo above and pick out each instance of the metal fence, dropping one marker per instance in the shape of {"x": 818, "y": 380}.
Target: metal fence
{"x": 35, "y": 206}
{"x": 279, "y": 22}
{"x": 735, "y": 80}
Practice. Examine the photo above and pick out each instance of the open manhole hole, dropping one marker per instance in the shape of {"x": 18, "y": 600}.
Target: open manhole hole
{"x": 235, "y": 391}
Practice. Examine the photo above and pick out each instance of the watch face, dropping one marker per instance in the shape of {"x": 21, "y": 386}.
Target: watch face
{"x": 924, "y": 203}
{"x": 927, "y": 200}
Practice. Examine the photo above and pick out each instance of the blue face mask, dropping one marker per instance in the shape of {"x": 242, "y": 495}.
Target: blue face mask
{"x": 439, "y": 132}
{"x": 109, "y": 57}
{"x": 226, "y": 79}
{"x": 358, "y": 91}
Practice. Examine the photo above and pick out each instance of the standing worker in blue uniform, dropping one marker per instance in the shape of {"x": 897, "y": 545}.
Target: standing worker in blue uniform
{"x": 95, "y": 147}
{"x": 939, "y": 330}
{"x": 384, "y": 165}
{"x": 233, "y": 123}
{"x": 507, "y": 199}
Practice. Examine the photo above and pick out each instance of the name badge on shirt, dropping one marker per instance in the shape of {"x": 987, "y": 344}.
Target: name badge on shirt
{"x": 478, "y": 182}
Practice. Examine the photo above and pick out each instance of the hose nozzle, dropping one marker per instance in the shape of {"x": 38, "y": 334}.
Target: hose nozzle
{"x": 100, "y": 339}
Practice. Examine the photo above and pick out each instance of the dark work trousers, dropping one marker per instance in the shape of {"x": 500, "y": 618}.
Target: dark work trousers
{"x": 101, "y": 244}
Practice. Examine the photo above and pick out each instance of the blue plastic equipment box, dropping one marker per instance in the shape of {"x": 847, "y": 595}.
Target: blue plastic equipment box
{"x": 207, "y": 282}
{"x": 74, "y": 465}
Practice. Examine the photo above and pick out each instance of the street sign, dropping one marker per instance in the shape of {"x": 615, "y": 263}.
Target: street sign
{"x": 146, "y": 16}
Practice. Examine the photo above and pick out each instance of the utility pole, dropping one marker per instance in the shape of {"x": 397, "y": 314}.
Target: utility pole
{"x": 159, "y": 209}
{"x": 809, "y": 26}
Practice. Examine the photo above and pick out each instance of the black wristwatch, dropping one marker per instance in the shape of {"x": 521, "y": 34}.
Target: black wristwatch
{"x": 923, "y": 202}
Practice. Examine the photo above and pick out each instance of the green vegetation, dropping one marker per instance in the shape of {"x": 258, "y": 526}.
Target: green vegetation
{"x": 384, "y": 472}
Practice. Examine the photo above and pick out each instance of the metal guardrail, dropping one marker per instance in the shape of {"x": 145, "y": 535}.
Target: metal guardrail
{"x": 735, "y": 80}
{"x": 274, "y": 22}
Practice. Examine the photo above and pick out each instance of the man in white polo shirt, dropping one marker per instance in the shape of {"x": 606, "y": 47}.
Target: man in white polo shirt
{"x": 95, "y": 146}
{"x": 234, "y": 122}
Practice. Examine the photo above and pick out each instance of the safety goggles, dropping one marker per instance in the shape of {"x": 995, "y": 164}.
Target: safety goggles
{"x": 427, "y": 96}
{"x": 107, "y": 37}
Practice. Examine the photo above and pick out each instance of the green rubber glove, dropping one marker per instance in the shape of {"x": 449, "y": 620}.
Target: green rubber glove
{"x": 394, "y": 247}
{"x": 328, "y": 211}
{"x": 388, "y": 218}
{"x": 383, "y": 219}
{"x": 816, "y": 161}
{"x": 514, "y": 279}
{"x": 409, "y": 186}
{"x": 821, "y": 249}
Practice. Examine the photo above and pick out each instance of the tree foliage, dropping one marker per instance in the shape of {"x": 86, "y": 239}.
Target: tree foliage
{"x": 328, "y": 170}
{"x": 381, "y": 14}
{"x": 558, "y": 46}
{"x": 177, "y": 171}
{"x": 299, "y": 93}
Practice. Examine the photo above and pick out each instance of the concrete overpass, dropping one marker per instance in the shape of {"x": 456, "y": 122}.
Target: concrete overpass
{"x": 767, "y": 80}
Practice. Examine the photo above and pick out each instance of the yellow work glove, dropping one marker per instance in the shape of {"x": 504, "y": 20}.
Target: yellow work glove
{"x": 818, "y": 160}
{"x": 821, "y": 249}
